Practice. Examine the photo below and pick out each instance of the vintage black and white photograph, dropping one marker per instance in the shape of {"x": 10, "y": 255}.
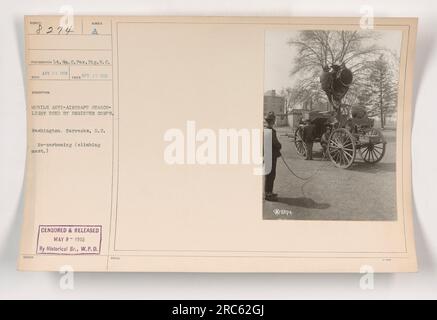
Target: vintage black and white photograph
{"x": 330, "y": 105}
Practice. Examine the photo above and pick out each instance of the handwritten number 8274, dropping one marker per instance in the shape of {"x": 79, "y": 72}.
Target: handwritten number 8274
{"x": 53, "y": 30}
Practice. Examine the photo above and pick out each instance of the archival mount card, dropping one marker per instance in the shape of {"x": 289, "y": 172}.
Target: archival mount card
{"x": 218, "y": 144}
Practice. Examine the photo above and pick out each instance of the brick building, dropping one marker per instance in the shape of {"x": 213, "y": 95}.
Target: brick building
{"x": 275, "y": 103}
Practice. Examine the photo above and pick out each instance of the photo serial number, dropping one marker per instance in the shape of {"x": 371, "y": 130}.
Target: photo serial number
{"x": 220, "y": 309}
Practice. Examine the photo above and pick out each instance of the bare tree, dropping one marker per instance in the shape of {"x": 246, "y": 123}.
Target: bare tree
{"x": 287, "y": 93}
{"x": 318, "y": 48}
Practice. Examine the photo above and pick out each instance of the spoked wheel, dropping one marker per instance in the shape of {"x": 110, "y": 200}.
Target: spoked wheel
{"x": 299, "y": 144}
{"x": 373, "y": 150}
{"x": 341, "y": 148}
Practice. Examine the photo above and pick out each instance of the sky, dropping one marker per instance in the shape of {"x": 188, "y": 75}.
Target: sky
{"x": 279, "y": 55}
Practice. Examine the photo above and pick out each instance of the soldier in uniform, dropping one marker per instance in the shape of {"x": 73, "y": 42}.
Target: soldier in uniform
{"x": 308, "y": 139}
{"x": 335, "y": 81}
{"x": 326, "y": 80}
{"x": 276, "y": 153}
{"x": 324, "y": 140}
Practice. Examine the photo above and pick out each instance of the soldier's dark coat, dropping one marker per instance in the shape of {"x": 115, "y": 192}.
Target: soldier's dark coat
{"x": 276, "y": 153}
{"x": 308, "y": 133}
{"x": 276, "y": 145}
{"x": 308, "y": 138}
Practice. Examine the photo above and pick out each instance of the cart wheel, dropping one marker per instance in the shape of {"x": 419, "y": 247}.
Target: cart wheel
{"x": 374, "y": 150}
{"x": 341, "y": 148}
{"x": 299, "y": 144}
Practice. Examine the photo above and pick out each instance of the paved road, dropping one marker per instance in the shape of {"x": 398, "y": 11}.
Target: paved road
{"x": 362, "y": 192}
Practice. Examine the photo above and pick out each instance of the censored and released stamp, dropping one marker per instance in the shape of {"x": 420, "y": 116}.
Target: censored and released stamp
{"x": 69, "y": 239}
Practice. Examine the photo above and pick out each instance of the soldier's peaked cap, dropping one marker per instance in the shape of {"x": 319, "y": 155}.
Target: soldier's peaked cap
{"x": 270, "y": 116}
